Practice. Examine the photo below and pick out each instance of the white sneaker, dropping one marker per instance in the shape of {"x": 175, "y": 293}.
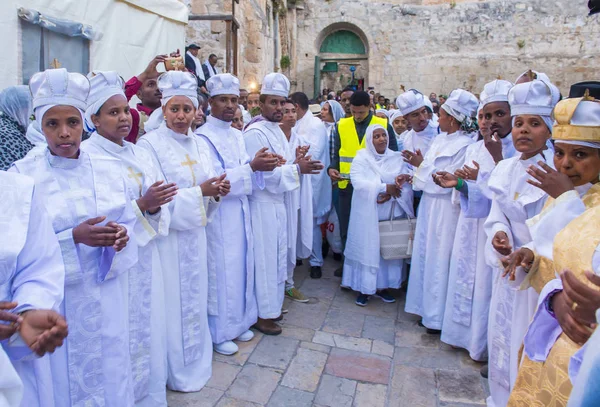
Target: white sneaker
{"x": 246, "y": 336}
{"x": 226, "y": 348}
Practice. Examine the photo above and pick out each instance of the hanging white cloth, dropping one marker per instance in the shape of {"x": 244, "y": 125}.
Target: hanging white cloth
{"x": 199, "y": 71}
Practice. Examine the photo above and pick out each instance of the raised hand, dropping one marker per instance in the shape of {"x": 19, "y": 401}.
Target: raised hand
{"x": 156, "y": 196}
{"x": 211, "y": 186}
{"x": 501, "y": 243}
{"x": 301, "y": 152}
{"x": 522, "y": 257}
{"x": 403, "y": 179}
{"x": 43, "y": 330}
{"x": 471, "y": 173}
{"x": 121, "y": 236}
{"x": 308, "y": 166}
{"x": 151, "y": 71}
{"x": 549, "y": 180}
{"x": 414, "y": 159}
{"x": 8, "y": 330}
{"x": 89, "y": 234}
{"x": 445, "y": 180}
{"x": 493, "y": 143}
{"x": 264, "y": 161}
{"x": 586, "y": 298}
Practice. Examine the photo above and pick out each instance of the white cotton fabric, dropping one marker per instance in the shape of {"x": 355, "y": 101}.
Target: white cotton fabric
{"x": 103, "y": 86}
{"x": 337, "y": 111}
{"x": 275, "y": 84}
{"x": 535, "y": 98}
{"x": 59, "y": 87}
{"x": 495, "y": 91}
{"x": 177, "y": 83}
{"x": 15, "y": 102}
{"x": 199, "y": 71}
{"x": 223, "y": 84}
{"x": 364, "y": 268}
{"x": 410, "y": 101}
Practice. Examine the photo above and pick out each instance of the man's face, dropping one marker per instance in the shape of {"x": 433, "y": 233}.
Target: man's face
{"x": 149, "y": 94}
{"x": 253, "y": 100}
{"x": 497, "y": 116}
{"x": 244, "y": 98}
{"x": 345, "y": 101}
{"x": 272, "y": 108}
{"x": 194, "y": 51}
{"x": 213, "y": 61}
{"x": 381, "y": 100}
{"x": 359, "y": 113}
{"x": 223, "y": 107}
{"x": 419, "y": 119}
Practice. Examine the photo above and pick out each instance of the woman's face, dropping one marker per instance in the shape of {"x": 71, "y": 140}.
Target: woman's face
{"x": 238, "y": 120}
{"x": 581, "y": 164}
{"x": 113, "y": 120}
{"x": 179, "y": 114}
{"x": 400, "y": 124}
{"x": 381, "y": 115}
{"x": 63, "y": 128}
{"x": 289, "y": 115}
{"x": 199, "y": 118}
{"x": 446, "y": 122}
{"x": 380, "y": 140}
{"x": 484, "y": 125}
{"x": 530, "y": 134}
{"x": 326, "y": 113}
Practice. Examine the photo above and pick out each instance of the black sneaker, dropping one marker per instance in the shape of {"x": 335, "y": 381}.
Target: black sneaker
{"x": 362, "y": 299}
{"x": 315, "y": 272}
{"x": 325, "y": 248}
{"x": 298, "y": 262}
{"x": 337, "y": 256}
{"x": 385, "y": 296}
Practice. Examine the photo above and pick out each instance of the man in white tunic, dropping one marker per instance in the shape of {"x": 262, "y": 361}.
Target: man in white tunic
{"x": 232, "y": 306}
{"x": 267, "y": 205}
{"x": 413, "y": 107}
{"x": 183, "y": 159}
{"x": 109, "y": 120}
{"x": 313, "y": 131}
{"x": 88, "y": 204}
{"x": 31, "y": 280}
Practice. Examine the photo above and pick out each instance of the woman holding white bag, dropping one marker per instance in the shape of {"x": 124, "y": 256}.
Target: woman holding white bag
{"x": 374, "y": 172}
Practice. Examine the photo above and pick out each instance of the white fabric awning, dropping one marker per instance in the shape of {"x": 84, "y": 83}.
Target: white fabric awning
{"x": 171, "y": 9}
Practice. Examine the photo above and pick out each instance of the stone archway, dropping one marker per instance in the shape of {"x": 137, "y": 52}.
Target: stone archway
{"x": 341, "y": 46}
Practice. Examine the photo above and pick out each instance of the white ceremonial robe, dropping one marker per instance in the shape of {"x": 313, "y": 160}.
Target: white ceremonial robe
{"x": 471, "y": 278}
{"x": 365, "y": 270}
{"x": 184, "y": 159}
{"x": 511, "y": 310}
{"x": 89, "y": 368}
{"x": 436, "y": 227}
{"x": 422, "y": 140}
{"x": 232, "y": 306}
{"x": 313, "y": 131}
{"x": 33, "y": 275}
{"x": 144, "y": 286}
{"x": 270, "y": 218}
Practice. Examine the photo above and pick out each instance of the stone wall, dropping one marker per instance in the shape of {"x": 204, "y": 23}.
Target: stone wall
{"x": 437, "y": 45}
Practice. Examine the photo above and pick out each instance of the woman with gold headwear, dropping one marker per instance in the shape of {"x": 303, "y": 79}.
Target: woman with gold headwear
{"x": 566, "y": 241}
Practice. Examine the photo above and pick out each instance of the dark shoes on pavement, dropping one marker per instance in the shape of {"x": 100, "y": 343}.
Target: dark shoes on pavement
{"x": 267, "y": 327}
{"x": 316, "y": 272}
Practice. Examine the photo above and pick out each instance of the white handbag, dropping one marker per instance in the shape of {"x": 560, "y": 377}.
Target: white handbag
{"x": 396, "y": 236}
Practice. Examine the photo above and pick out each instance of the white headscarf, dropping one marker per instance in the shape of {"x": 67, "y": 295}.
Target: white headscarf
{"x": 337, "y": 111}
{"x": 384, "y": 111}
{"x": 15, "y": 102}
{"x": 374, "y": 155}
{"x": 103, "y": 86}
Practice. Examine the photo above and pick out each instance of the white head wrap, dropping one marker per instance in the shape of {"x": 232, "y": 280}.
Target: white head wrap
{"x": 223, "y": 84}
{"x": 538, "y": 75}
{"x": 177, "y": 83}
{"x": 410, "y": 101}
{"x": 57, "y": 87}
{"x": 337, "y": 111}
{"x": 495, "y": 91}
{"x": 395, "y": 114}
{"x": 384, "y": 111}
{"x": 461, "y": 105}
{"x": 587, "y": 114}
{"x": 103, "y": 86}
{"x": 537, "y": 97}
{"x": 15, "y": 102}
{"x": 275, "y": 84}
{"x": 369, "y": 141}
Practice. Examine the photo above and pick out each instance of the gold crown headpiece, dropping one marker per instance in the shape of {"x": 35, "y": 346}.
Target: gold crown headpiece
{"x": 564, "y": 130}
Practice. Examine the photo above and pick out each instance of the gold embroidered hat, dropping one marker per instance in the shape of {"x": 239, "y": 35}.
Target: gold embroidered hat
{"x": 577, "y": 119}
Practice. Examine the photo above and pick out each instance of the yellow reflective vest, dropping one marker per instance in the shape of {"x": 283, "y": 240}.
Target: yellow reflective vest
{"x": 349, "y": 145}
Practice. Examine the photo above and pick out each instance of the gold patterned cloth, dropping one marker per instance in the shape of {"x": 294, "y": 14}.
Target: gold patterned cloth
{"x": 547, "y": 384}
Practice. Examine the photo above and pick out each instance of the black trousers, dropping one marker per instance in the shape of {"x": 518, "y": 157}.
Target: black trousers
{"x": 345, "y": 203}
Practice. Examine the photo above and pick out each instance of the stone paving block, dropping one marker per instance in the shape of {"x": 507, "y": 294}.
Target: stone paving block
{"x": 360, "y": 366}
{"x": 206, "y": 397}
{"x": 305, "y": 370}
{"x": 245, "y": 349}
{"x": 344, "y": 323}
{"x": 456, "y": 386}
{"x": 335, "y": 392}
{"x": 412, "y": 335}
{"x": 274, "y": 351}
{"x": 344, "y": 342}
{"x": 428, "y": 358}
{"x": 345, "y": 301}
{"x": 286, "y": 397}
{"x": 302, "y": 334}
{"x": 379, "y": 328}
{"x": 322, "y": 289}
{"x": 255, "y": 384}
{"x": 229, "y": 402}
{"x": 372, "y": 395}
{"x": 315, "y": 346}
{"x": 412, "y": 386}
{"x": 223, "y": 374}
{"x": 307, "y": 315}
{"x": 382, "y": 348}
{"x": 405, "y": 316}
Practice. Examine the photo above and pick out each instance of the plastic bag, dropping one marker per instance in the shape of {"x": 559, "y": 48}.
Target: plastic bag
{"x": 332, "y": 228}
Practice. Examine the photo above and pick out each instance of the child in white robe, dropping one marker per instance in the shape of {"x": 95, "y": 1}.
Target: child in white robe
{"x": 375, "y": 196}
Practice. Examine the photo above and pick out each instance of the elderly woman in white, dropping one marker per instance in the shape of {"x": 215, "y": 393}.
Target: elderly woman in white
{"x": 374, "y": 173}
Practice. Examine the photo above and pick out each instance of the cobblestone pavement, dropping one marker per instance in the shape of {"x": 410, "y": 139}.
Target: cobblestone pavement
{"x": 334, "y": 353}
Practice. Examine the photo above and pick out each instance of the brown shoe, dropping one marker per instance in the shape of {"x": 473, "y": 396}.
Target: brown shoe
{"x": 267, "y": 327}
{"x": 279, "y": 318}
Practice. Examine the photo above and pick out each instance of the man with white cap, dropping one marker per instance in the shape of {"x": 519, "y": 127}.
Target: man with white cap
{"x": 514, "y": 202}
{"x": 183, "y": 159}
{"x": 438, "y": 215}
{"x": 232, "y": 307}
{"x": 413, "y": 106}
{"x": 91, "y": 215}
{"x": 108, "y": 118}
{"x": 268, "y": 205}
